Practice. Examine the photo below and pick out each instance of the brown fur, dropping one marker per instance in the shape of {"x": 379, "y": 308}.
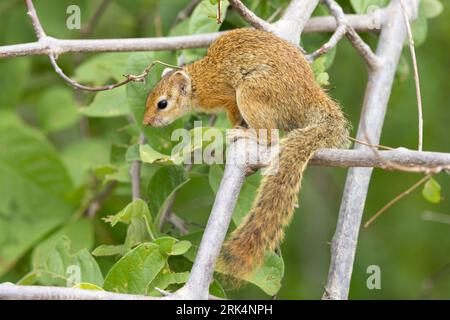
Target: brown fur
{"x": 259, "y": 78}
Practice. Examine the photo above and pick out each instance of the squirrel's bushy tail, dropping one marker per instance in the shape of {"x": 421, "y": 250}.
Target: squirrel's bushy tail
{"x": 262, "y": 228}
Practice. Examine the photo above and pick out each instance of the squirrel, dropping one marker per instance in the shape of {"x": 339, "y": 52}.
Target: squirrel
{"x": 262, "y": 82}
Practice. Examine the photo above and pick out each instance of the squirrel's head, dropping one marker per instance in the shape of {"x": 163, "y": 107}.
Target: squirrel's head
{"x": 169, "y": 100}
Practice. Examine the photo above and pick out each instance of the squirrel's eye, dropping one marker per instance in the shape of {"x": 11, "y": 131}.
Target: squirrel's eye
{"x": 162, "y": 104}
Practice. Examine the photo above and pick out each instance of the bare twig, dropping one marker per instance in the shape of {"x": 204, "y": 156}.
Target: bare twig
{"x": 416, "y": 74}
{"x": 396, "y": 199}
{"x": 249, "y": 16}
{"x": 340, "y": 31}
{"x": 96, "y": 204}
{"x": 187, "y": 11}
{"x": 128, "y": 78}
{"x": 135, "y": 174}
{"x": 344, "y": 27}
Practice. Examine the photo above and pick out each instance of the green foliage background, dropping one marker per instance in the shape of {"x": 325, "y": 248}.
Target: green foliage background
{"x": 59, "y": 148}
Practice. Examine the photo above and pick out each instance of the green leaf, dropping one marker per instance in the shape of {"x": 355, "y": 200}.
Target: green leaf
{"x": 136, "y": 209}
{"x": 103, "y": 67}
{"x": 203, "y": 20}
{"x": 136, "y": 270}
{"x": 15, "y": 73}
{"x": 87, "y": 286}
{"x": 56, "y": 109}
{"x": 138, "y": 218}
{"x": 367, "y": 6}
{"x": 107, "y": 104}
{"x": 80, "y": 233}
{"x": 59, "y": 267}
{"x": 172, "y": 246}
{"x": 162, "y": 281}
{"x": 432, "y": 8}
{"x": 268, "y": 277}
{"x": 180, "y": 248}
{"x": 108, "y": 250}
{"x": 165, "y": 182}
{"x": 432, "y": 191}
{"x": 33, "y": 188}
{"x": 149, "y": 155}
{"x": 246, "y": 196}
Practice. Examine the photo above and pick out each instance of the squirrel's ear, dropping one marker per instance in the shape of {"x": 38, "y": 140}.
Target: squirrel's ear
{"x": 166, "y": 71}
{"x": 182, "y": 81}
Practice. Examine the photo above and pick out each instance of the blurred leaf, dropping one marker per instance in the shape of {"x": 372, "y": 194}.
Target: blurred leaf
{"x": 403, "y": 69}
{"x": 33, "y": 186}
{"x": 106, "y": 104}
{"x": 432, "y": 8}
{"x": 246, "y": 196}
{"x": 134, "y": 272}
{"x": 319, "y": 66}
{"x": 60, "y": 268}
{"x": 56, "y": 109}
{"x": 15, "y": 73}
{"x": 82, "y": 156}
{"x": 165, "y": 182}
{"x": 87, "y": 286}
{"x": 419, "y": 26}
{"x": 367, "y": 6}
{"x": 103, "y": 67}
{"x": 432, "y": 191}
{"x": 80, "y": 233}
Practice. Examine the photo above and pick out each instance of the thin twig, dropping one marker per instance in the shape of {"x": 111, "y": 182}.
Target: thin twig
{"x": 87, "y": 30}
{"x": 96, "y": 204}
{"x": 416, "y": 75}
{"x": 379, "y": 146}
{"x": 135, "y": 174}
{"x": 219, "y": 12}
{"x": 249, "y": 16}
{"x": 397, "y": 198}
{"x": 344, "y": 27}
{"x": 128, "y": 78}
{"x": 187, "y": 11}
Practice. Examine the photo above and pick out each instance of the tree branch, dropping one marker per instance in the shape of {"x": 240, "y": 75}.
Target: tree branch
{"x": 47, "y": 45}
{"x": 344, "y": 28}
{"x": 9, "y": 291}
{"x": 375, "y": 102}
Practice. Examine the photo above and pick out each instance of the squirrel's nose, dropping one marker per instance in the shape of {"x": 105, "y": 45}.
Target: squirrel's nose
{"x": 147, "y": 121}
